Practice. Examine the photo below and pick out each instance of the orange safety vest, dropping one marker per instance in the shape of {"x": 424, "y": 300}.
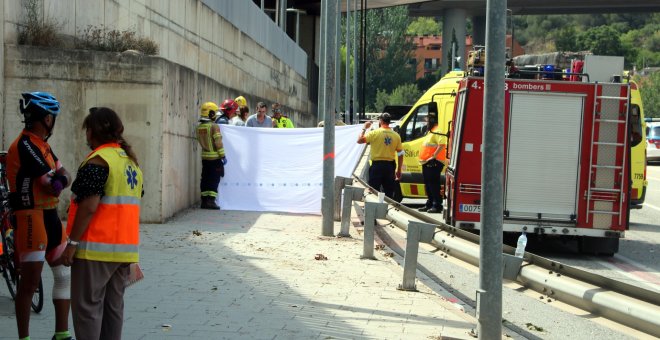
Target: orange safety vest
{"x": 113, "y": 234}
{"x": 431, "y": 142}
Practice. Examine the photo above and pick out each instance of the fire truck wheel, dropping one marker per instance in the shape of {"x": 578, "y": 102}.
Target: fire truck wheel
{"x": 603, "y": 246}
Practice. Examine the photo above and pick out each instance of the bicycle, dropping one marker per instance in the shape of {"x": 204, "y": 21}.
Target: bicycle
{"x": 8, "y": 263}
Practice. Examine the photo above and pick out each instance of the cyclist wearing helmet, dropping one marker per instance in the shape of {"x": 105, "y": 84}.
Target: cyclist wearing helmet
{"x": 213, "y": 155}
{"x": 36, "y": 179}
{"x": 228, "y": 109}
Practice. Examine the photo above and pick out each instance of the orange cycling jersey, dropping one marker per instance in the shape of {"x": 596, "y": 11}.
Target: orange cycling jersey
{"x": 30, "y": 157}
{"x": 39, "y": 234}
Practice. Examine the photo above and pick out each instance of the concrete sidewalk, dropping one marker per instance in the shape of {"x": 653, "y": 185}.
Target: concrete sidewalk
{"x": 250, "y": 275}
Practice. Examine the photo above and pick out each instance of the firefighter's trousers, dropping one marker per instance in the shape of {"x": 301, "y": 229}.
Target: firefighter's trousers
{"x": 432, "y": 172}
{"x": 212, "y": 171}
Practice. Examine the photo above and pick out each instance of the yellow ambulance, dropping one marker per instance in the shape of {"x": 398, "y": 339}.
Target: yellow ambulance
{"x": 413, "y": 126}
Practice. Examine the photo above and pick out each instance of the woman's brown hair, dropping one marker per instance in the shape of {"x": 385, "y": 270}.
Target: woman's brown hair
{"x": 106, "y": 127}
{"x": 244, "y": 112}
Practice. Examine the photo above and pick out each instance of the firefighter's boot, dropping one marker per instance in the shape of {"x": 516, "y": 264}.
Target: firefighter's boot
{"x": 208, "y": 202}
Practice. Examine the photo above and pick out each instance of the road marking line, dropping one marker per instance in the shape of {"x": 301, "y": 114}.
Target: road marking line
{"x": 651, "y": 206}
{"x": 649, "y": 270}
{"x": 636, "y": 274}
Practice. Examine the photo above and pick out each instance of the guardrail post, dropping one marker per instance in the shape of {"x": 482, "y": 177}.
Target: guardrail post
{"x": 372, "y": 211}
{"x": 511, "y": 266}
{"x": 417, "y": 232}
{"x": 340, "y": 183}
{"x": 350, "y": 194}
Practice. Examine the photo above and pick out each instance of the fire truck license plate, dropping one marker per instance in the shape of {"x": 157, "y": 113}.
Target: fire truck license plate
{"x": 470, "y": 208}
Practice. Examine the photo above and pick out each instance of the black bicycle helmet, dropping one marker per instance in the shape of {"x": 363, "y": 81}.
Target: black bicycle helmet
{"x": 37, "y": 105}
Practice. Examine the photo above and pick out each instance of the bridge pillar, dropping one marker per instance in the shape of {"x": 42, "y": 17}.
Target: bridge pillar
{"x": 478, "y": 30}
{"x": 453, "y": 21}
{"x": 3, "y": 143}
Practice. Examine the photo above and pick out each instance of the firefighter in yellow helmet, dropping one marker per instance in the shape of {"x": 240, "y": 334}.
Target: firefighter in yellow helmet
{"x": 213, "y": 155}
{"x": 240, "y": 100}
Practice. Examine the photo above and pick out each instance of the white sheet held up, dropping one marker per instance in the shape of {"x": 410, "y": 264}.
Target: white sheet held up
{"x": 281, "y": 169}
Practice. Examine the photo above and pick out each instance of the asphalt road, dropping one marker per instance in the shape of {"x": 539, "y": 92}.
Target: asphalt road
{"x": 636, "y": 262}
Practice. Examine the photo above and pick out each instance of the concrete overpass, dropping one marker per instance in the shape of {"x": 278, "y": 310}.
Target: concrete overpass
{"x": 521, "y": 7}
{"x": 455, "y": 12}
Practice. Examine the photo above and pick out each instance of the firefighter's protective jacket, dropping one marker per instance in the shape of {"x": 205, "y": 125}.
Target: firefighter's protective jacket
{"x": 210, "y": 139}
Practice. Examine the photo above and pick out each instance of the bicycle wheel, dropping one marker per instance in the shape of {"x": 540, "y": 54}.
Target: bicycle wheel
{"x": 37, "y": 297}
{"x": 11, "y": 278}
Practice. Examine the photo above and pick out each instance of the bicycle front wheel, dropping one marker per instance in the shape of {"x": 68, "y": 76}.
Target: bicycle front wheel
{"x": 11, "y": 278}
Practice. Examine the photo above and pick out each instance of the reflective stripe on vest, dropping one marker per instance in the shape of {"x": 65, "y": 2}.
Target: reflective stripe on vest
{"x": 431, "y": 142}
{"x": 113, "y": 233}
{"x": 206, "y": 141}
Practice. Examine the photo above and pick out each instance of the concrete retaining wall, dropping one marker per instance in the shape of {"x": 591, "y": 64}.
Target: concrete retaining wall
{"x": 203, "y": 58}
{"x": 193, "y": 35}
{"x": 155, "y": 99}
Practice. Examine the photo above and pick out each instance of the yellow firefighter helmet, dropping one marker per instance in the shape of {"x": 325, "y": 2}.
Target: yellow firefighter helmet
{"x": 208, "y": 110}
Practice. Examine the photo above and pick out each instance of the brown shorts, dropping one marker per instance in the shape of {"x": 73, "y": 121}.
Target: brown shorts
{"x": 38, "y": 235}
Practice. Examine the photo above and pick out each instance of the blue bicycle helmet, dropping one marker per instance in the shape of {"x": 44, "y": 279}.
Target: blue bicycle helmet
{"x": 36, "y": 105}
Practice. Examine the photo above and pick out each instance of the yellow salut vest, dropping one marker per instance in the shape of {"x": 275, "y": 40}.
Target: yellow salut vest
{"x": 113, "y": 234}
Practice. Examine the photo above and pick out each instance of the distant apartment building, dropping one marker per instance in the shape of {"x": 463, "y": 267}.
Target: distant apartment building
{"x": 428, "y": 52}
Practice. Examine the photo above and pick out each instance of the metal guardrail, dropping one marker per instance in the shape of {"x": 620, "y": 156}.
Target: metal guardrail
{"x": 619, "y": 301}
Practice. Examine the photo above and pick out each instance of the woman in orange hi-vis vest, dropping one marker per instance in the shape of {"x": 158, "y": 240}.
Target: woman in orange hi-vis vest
{"x": 432, "y": 160}
{"x": 103, "y": 228}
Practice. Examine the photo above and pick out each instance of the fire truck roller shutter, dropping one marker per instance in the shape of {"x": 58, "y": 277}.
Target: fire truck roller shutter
{"x": 543, "y": 155}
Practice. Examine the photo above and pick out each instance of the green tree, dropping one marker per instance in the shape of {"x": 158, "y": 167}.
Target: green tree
{"x": 566, "y": 39}
{"x": 428, "y": 80}
{"x": 549, "y": 33}
{"x": 424, "y": 26}
{"x": 601, "y": 40}
{"x": 650, "y": 89}
{"x": 382, "y": 100}
{"x": 406, "y": 94}
{"x": 389, "y": 52}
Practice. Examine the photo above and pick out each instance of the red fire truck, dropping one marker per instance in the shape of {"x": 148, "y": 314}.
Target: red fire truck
{"x": 566, "y": 167}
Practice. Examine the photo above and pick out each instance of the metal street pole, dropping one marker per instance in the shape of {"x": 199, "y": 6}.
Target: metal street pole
{"x": 347, "y": 79}
{"x": 355, "y": 64}
{"x": 363, "y": 101}
{"x": 322, "y": 65}
{"x": 326, "y": 105}
{"x": 337, "y": 88}
{"x": 282, "y": 14}
{"x": 489, "y": 294}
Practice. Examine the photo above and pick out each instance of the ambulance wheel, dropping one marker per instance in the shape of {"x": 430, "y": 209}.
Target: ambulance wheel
{"x": 398, "y": 195}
